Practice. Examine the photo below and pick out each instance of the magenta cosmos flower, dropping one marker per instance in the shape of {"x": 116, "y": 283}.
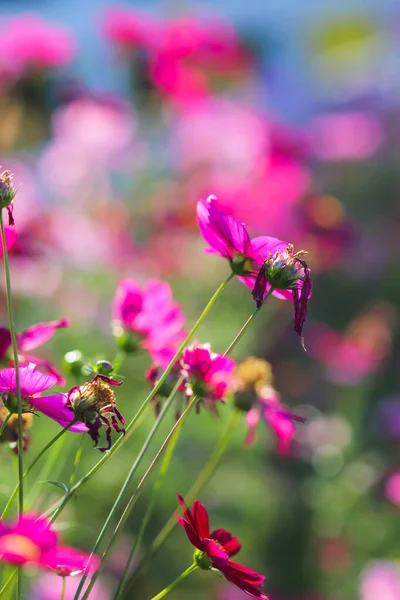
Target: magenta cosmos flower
{"x": 262, "y": 262}
{"x": 275, "y": 415}
{"x": 148, "y": 318}
{"x": 28, "y": 340}
{"x": 31, "y": 541}
{"x": 94, "y": 403}
{"x": 33, "y": 383}
{"x": 215, "y": 549}
{"x": 206, "y": 374}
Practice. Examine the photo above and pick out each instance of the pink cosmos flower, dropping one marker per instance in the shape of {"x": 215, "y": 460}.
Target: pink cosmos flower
{"x": 130, "y": 29}
{"x": 207, "y": 375}
{"x": 31, "y": 541}
{"x": 380, "y": 579}
{"x": 215, "y": 549}
{"x": 150, "y": 319}
{"x": 33, "y": 383}
{"x": 27, "y": 41}
{"x": 31, "y": 338}
{"x": 228, "y": 237}
{"x": 275, "y": 415}
{"x": 48, "y": 586}
{"x": 11, "y": 238}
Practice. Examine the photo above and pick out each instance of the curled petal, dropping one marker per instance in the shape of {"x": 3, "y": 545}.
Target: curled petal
{"x": 260, "y": 287}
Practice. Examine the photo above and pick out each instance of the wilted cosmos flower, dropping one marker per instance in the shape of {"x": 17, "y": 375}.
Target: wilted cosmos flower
{"x": 94, "y": 403}
{"x": 7, "y": 194}
{"x": 148, "y": 318}
{"x": 31, "y": 541}
{"x": 255, "y": 395}
{"x": 262, "y": 262}
{"x": 28, "y": 340}
{"x": 207, "y": 375}
{"x": 215, "y": 549}
{"x": 32, "y": 383}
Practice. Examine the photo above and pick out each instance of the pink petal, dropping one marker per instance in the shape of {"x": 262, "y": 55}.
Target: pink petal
{"x": 31, "y": 381}
{"x": 54, "y": 406}
{"x": 231, "y": 545}
{"x": 11, "y": 238}
{"x": 216, "y": 553}
{"x": 39, "y": 334}
{"x": 69, "y": 561}
{"x": 252, "y": 419}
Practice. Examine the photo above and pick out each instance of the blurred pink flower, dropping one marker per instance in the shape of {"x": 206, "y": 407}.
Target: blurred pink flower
{"x": 130, "y": 28}
{"x": 28, "y": 340}
{"x": 392, "y": 488}
{"x": 33, "y": 383}
{"x": 151, "y": 317}
{"x": 27, "y": 41}
{"x": 207, "y": 375}
{"x": 354, "y": 354}
{"x": 276, "y": 416}
{"x": 48, "y": 587}
{"x": 11, "y": 238}
{"x": 32, "y": 541}
{"x": 347, "y": 135}
{"x": 380, "y": 580}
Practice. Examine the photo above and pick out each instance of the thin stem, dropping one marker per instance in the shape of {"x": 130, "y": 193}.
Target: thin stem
{"x": 4, "y": 423}
{"x": 156, "y": 488}
{"x": 33, "y": 463}
{"x": 13, "y": 334}
{"x": 63, "y": 588}
{"x": 8, "y": 583}
{"x": 203, "y": 478}
{"x": 133, "y": 498}
{"x": 149, "y": 398}
{"x": 130, "y": 476}
{"x": 76, "y": 461}
{"x": 171, "y": 586}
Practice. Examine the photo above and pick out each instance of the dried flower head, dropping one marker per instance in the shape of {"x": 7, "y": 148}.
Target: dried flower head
{"x": 7, "y": 194}
{"x": 286, "y": 272}
{"x": 253, "y": 373}
{"x": 94, "y": 404}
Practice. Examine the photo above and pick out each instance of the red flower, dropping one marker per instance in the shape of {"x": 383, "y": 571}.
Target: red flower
{"x": 215, "y": 549}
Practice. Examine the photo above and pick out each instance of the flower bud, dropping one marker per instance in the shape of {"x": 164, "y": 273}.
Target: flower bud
{"x": 126, "y": 341}
{"x": 104, "y": 367}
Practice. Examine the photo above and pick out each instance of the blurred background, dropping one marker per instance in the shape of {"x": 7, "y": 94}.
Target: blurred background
{"x": 115, "y": 120}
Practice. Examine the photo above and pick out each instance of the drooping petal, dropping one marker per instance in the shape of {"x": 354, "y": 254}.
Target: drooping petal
{"x": 245, "y": 579}
{"x": 252, "y": 419}
{"x": 39, "y": 334}
{"x": 55, "y": 407}
{"x": 11, "y": 238}
{"x": 260, "y": 287}
{"x": 300, "y": 300}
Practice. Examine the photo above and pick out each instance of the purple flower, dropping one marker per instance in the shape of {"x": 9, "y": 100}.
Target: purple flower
{"x": 206, "y": 374}
{"x": 94, "y": 403}
{"x": 28, "y": 340}
{"x": 33, "y": 383}
{"x": 148, "y": 318}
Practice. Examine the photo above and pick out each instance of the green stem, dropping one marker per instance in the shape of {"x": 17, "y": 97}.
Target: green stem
{"x": 4, "y": 423}
{"x": 132, "y": 501}
{"x": 33, "y": 463}
{"x": 130, "y": 476}
{"x": 8, "y": 583}
{"x": 156, "y": 488}
{"x": 64, "y": 588}
{"x": 11, "y": 325}
{"x": 171, "y": 586}
{"x": 203, "y": 478}
{"x": 143, "y": 407}
{"x": 76, "y": 461}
